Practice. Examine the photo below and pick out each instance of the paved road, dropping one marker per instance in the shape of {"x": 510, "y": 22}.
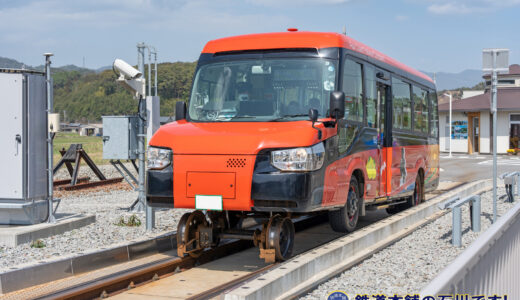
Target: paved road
{"x": 473, "y": 167}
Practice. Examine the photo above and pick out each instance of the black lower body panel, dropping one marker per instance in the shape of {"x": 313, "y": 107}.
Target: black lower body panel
{"x": 159, "y": 187}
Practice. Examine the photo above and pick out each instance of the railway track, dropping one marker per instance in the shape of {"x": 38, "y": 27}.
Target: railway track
{"x": 98, "y": 285}
{"x": 144, "y": 279}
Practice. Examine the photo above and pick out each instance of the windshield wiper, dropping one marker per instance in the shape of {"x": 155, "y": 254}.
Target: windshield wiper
{"x": 288, "y": 116}
{"x": 242, "y": 117}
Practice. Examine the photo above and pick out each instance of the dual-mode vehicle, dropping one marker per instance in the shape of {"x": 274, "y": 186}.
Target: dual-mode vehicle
{"x": 282, "y": 125}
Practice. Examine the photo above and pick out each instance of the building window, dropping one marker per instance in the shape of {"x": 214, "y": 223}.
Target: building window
{"x": 502, "y": 81}
{"x": 401, "y": 103}
{"x": 514, "y": 131}
{"x": 353, "y": 89}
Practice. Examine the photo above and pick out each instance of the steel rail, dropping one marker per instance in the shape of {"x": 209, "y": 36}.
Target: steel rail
{"x": 122, "y": 281}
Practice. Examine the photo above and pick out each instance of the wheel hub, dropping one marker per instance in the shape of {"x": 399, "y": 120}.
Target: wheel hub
{"x": 352, "y": 204}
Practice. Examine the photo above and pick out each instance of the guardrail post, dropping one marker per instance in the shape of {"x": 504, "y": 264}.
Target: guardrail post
{"x": 517, "y": 186}
{"x": 457, "y": 226}
{"x": 475, "y": 214}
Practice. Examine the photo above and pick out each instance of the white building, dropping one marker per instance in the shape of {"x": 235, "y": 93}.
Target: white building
{"x": 472, "y": 121}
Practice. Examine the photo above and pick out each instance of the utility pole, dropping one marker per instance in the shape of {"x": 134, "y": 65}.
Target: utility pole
{"x": 50, "y": 164}
{"x": 494, "y": 61}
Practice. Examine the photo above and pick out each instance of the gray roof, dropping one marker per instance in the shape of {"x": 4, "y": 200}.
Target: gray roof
{"x": 507, "y": 99}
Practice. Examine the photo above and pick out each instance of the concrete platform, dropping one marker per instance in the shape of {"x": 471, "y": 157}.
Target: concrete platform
{"x": 14, "y": 235}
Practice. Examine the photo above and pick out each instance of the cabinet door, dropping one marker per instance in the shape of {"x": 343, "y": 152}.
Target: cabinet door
{"x": 11, "y": 135}
{"x": 36, "y": 137}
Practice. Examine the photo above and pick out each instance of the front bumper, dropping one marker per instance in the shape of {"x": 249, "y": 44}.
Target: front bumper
{"x": 159, "y": 187}
{"x": 273, "y": 190}
{"x": 270, "y": 190}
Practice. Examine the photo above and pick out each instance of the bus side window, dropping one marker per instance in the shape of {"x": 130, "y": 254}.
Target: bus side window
{"x": 402, "y": 106}
{"x": 434, "y": 114}
{"x": 353, "y": 89}
{"x": 371, "y": 96}
{"x": 420, "y": 107}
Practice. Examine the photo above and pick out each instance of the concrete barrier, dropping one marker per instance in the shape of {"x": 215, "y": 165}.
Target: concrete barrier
{"x": 14, "y": 235}
{"x": 47, "y": 271}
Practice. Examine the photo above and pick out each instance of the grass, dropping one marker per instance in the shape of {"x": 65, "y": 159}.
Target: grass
{"x": 93, "y": 145}
{"x": 133, "y": 221}
{"x": 37, "y": 244}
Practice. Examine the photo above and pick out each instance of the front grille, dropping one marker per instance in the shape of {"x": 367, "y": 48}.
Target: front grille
{"x": 272, "y": 203}
{"x": 236, "y": 163}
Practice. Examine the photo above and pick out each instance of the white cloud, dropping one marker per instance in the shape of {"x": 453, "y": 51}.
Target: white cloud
{"x": 468, "y": 6}
{"x": 104, "y": 27}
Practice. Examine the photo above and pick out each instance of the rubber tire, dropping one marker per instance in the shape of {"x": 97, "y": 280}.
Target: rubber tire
{"x": 338, "y": 219}
{"x": 419, "y": 189}
{"x": 411, "y": 201}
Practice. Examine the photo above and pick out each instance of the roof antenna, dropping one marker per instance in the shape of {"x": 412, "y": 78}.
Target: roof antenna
{"x": 344, "y": 30}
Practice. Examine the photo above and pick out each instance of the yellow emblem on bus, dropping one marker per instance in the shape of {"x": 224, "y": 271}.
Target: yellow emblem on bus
{"x": 371, "y": 168}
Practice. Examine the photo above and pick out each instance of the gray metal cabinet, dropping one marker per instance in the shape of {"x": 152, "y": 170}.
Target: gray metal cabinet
{"x": 23, "y": 159}
{"x": 120, "y": 137}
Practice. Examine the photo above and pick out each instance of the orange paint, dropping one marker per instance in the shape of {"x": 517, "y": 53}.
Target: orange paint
{"x": 236, "y": 137}
{"x": 211, "y": 183}
{"x": 213, "y": 175}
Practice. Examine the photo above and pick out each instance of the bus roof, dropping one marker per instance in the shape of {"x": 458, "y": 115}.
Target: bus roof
{"x": 303, "y": 39}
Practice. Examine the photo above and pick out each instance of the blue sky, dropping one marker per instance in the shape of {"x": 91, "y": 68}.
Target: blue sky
{"x": 430, "y": 35}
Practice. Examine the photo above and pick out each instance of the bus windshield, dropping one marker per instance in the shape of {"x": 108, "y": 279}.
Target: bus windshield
{"x": 262, "y": 90}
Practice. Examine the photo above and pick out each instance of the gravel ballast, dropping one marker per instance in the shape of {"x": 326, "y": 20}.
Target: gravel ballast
{"x": 411, "y": 263}
{"x": 108, "y": 203}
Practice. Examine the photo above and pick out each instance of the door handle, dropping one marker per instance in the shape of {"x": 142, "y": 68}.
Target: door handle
{"x": 18, "y": 140}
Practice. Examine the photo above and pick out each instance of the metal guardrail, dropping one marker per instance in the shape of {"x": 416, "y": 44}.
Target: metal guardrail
{"x": 455, "y": 204}
{"x": 510, "y": 180}
{"x": 490, "y": 265}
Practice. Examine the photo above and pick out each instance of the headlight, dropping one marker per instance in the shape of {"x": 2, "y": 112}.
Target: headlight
{"x": 158, "y": 158}
{"x": 299, "y": 159}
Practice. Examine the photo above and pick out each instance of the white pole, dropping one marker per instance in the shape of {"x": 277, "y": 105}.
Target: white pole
{"x": 155, "y": 76}
{"x": 494, "y": 110}
{"x": 450, "y": 126}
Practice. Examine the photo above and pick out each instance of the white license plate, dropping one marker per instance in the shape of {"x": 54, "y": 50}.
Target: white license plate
{"x": 212, "y": 202}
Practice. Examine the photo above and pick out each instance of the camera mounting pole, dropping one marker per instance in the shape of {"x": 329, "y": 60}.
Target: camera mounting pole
{"x": 133, "y": 80}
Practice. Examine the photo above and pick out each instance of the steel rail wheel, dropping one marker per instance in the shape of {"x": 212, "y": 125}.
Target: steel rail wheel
{"x": 280, "y": 237}
{"x": 187, "y": 234}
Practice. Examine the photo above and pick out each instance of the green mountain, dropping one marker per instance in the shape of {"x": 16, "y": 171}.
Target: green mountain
{"x": 83, "y": 95}
{"x": 9, "y": 63}
{"x": 86, "y": 96}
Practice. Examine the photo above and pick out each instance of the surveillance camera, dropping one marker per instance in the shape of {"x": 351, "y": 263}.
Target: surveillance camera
{"x": 126, "y": 70}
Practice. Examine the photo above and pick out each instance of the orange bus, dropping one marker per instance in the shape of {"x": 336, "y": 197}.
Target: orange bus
{"x": 281, "y": 125}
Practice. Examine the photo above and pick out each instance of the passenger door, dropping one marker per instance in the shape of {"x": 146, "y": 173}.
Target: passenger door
{"x": 384, "y": 139}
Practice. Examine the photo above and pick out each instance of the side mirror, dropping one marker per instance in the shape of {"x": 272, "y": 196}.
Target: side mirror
{"x": 337, "y": 105}
{"x": 180, "y": 110}
{"x": 313, "y": 115}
